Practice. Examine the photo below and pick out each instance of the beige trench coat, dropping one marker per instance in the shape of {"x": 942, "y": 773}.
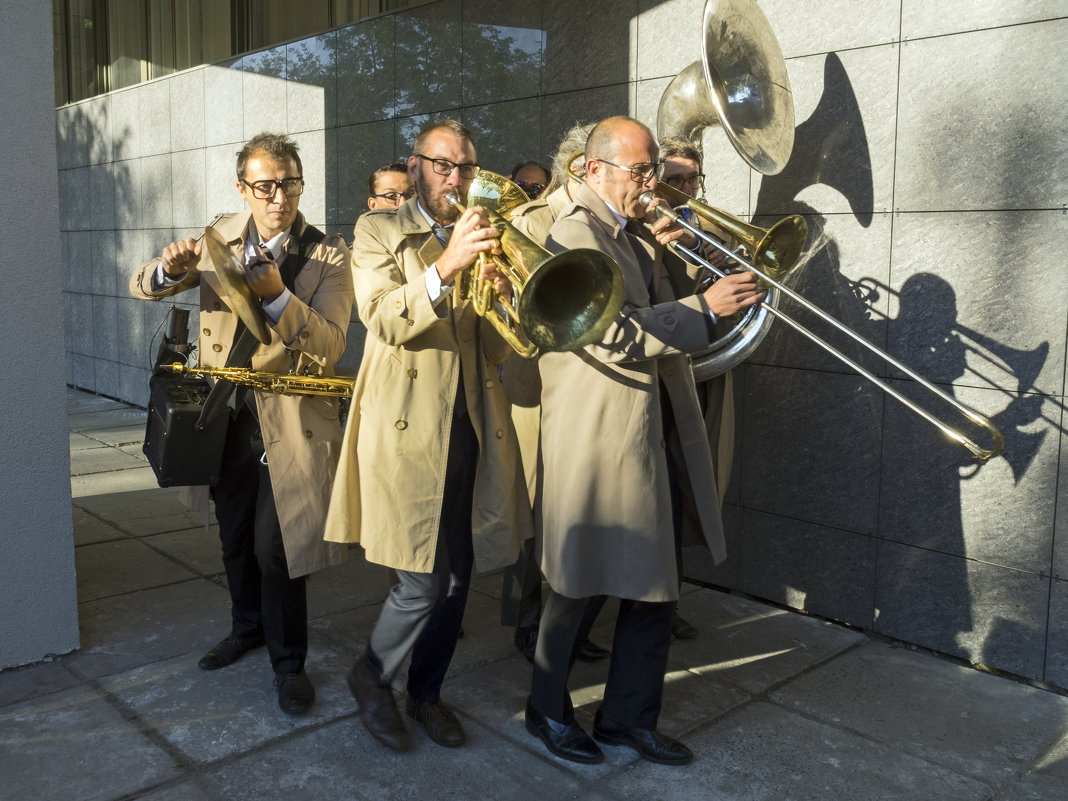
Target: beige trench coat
{"x": 389, "y": 487}
{"x": 301, "y": 433}
{"x": 604, "y": 510}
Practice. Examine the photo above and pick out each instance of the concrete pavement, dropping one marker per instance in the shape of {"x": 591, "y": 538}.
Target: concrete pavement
{"x": 776, "y": 705}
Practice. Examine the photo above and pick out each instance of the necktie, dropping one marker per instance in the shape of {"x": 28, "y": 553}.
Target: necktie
{"x": 442, "y": 233}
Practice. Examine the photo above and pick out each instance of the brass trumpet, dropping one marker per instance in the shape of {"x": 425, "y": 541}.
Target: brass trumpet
{"x": 561, "y": 302}
{"x": 275, "y": 383}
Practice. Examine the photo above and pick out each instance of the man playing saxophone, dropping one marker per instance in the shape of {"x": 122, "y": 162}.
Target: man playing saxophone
{"x": 280, "y": 451}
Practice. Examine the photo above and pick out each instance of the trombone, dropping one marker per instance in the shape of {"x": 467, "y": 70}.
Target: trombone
{"x": 755, "y": 241}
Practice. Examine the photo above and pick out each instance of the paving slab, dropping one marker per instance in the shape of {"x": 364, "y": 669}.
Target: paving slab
{"x": 117, "y": 416}
{"x": 123, "y": 566}
{"x": 969, "y": 722}
{"x": 102, "y": 459}
{"x": 765, "y": 752}
{"x": 209, "y": 716}
{"x": 126, "y": 631}
{"x": 32, "y": 681}
{"x": 751, "y": 644}
{"x": 198, "y": 549}
{"x": 343, "y": 761}
{"x": 89, "y": 529}
{"x": 129, "y": 434}
{"x": 110, "y": 483}
{"x": 74, "y": 745}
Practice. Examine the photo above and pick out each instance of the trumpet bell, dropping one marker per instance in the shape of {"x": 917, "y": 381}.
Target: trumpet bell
{"x": 740, "y": 84}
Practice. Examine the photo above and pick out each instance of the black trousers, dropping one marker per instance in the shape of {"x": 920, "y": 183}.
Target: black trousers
{"x": 423, "y": 612}
{"x": 521, "y": 589}
{"x": 635, "y": 687}
{"x": 263, "y": 598}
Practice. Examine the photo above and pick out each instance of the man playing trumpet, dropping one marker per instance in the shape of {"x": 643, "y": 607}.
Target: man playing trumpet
{"x": 429, "y": 481}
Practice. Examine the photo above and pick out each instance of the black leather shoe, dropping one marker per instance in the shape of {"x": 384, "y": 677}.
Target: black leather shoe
{"x": 649, "y": 743}
{"x": 378, "y": 710}
{"x": 566, "y": 740}
{"x": 295, "y": 692}
{"x": 229, "y": 651}
{"x": 439, "y": 721}
{"x": 681, "y": 629}
{"x": 590, "y": 651}
{"x": 526, "y": 640}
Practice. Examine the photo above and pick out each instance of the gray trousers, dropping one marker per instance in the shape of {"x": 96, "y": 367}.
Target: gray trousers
{"x": 423, "y": 612}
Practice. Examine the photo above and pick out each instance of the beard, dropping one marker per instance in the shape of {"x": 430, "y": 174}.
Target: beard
{"x": 439, "y": 208}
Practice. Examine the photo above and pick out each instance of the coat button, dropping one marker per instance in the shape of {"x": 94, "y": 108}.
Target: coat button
{"x": 398, "y": 305}
{"x": 500, "y": 434}
{"x": 216, "y": 347}
{"x": 411, "y": 322}
{"x": 400, "y": 425}
{"x": 412, "y": 373}
{"x": 304, "y": 335}
{"x": 207, "y": 332}
{"x": 489, "y": 383}
{"x": 307, "y": 433}
{"x": 216, "y": 305}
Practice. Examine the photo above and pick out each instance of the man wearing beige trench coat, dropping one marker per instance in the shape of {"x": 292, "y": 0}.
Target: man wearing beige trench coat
{"x": 624, "y": 453}
{"x": 429, "y": 482}
{"x": 280, "y": 452}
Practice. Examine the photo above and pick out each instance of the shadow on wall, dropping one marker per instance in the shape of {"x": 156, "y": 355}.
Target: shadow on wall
{"x": 926, "y": 589}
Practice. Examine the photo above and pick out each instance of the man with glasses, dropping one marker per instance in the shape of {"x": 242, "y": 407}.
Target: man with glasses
{"x": 682, "y": 171}
{"x": 531, "y": 177}
{"x": 429, "y": 481}
{"x": 281, "y": 450}
{"x": 623, "y": 456}
{"x": 389, "y": 186}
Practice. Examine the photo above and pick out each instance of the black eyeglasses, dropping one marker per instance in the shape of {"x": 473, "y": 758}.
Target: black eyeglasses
{"x": 532, "y": 189}
{"x": 397, "y": 197}
{"x": 676, "y": 181}
{"x": 445, "y": 167}
{"x": 639, "y": 173}
{"x": 266, "y": 190}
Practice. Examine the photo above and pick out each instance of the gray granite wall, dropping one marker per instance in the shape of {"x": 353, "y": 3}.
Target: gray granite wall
{"x": 37, "y": 582}
{"x": 929, "y": 163}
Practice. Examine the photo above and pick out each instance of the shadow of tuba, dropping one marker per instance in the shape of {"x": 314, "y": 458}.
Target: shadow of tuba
{"x": 559, "y": 302}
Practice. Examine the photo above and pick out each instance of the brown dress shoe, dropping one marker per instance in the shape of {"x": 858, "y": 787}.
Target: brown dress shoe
{"x": 439, "y": 721}
{"x": 378, "y": 710}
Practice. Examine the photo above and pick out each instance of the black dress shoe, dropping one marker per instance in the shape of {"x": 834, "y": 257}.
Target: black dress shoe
{"x": 590, "y": 651}
{"x": 681, "y": 629}
{"x": 526, "y": 640}
{"x": 649, "y": 743}
{"x": 439, "y": 721}
{"x": 229, "y": 651}
{"x": 566, "y": 740}
{"x": 378, "y": 710}
{"x": 295, "y": 692}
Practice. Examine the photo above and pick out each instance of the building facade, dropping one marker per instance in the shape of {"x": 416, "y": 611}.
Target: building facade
{"x": 929, "y": 162}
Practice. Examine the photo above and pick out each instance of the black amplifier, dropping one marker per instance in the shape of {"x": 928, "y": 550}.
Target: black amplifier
{"x": 182, "y": 455}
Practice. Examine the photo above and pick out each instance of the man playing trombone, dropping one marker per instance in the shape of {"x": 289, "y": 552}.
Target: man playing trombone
{"x": 623, "y": 452}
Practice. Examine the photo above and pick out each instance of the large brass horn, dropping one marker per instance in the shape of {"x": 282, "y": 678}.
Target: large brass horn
{"x": 560, "y": 302}
{"x": 980, "y": 453}
{"x": 740, "y": 84}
